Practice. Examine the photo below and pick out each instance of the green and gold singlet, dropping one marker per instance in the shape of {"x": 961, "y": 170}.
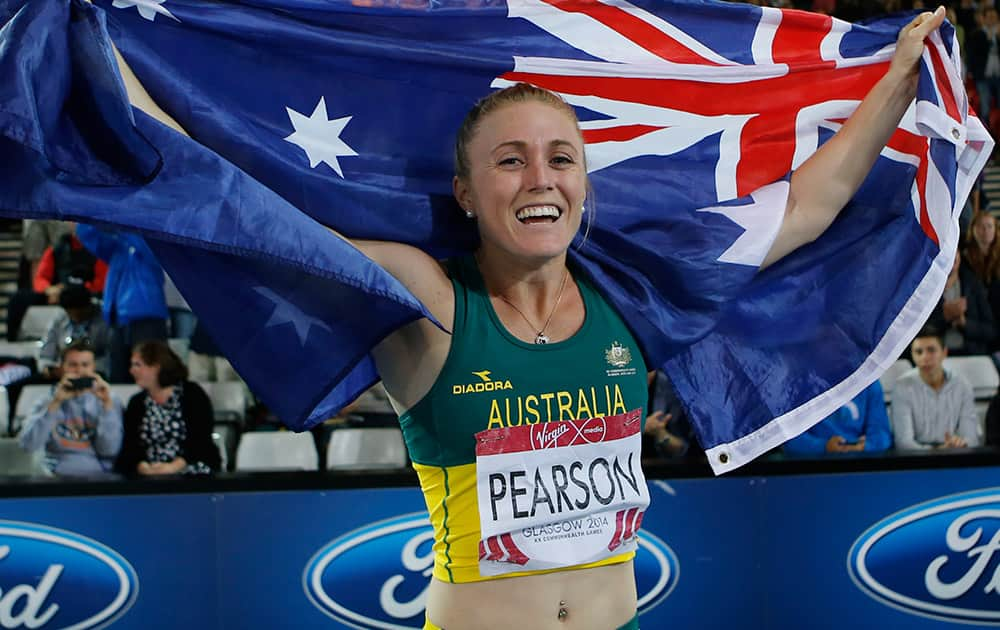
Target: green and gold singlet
{"x": 491, "y": 379}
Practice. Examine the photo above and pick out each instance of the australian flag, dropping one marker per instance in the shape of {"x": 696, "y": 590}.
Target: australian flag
{"x": 312, "y": 113}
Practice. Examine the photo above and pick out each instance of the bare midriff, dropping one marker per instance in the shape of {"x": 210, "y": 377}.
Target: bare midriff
{"x": 598, "y": 598}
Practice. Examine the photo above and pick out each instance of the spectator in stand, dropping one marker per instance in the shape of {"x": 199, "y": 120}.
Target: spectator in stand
{"x": 860, "y": 425}
{"x": 984, "y": 61}
{"x": 37, "y": 237}
{"x": 80, "y": 320}
{"x": 982, "y": 248}
{"x": 933, "y": 408}
{"x": 667, "y": 426}
{"x": 982, "y": 256}
{"x": 66, "y": 259}
{"x": 134, "y": 304}
{"x": 964, "y": 314}
{"x": 80, "y": 425}
{"x": 168, "y": 425}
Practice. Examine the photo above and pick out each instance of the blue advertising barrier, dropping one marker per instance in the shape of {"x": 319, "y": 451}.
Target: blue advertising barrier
{"x": 903, "y": 549}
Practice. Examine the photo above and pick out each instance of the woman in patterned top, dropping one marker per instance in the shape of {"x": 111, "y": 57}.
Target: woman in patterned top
{"x": 168, "y": 425}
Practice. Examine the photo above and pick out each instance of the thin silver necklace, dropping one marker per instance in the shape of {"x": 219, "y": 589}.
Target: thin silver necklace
{"x": 541, "y": 338}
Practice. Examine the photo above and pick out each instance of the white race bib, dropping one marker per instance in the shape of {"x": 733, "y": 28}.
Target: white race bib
{"x": 559, "y": 494}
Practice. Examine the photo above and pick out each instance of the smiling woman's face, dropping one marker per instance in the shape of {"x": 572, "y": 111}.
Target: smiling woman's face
{"x": 527, "y": 180}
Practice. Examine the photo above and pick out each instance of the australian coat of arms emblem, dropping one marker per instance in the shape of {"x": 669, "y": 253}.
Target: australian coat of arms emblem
{"x": 618, "y": 355}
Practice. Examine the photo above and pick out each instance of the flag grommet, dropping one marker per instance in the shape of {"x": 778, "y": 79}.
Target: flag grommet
{"x": 724, "y": 458}
{"x": 955, "y": 133}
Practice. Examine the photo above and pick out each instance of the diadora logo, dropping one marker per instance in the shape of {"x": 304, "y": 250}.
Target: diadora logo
{"x": 938, "y": 559}
{"x": 377, "y": 576}
{"x": 484, "y": 384}
{"x": 58, "y": 579}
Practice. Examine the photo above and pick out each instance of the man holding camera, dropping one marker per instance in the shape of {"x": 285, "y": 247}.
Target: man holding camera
{"x": 80, "y": 426}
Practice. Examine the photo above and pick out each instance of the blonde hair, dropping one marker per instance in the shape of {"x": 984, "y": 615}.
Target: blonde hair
{"x": 517, "y": 93}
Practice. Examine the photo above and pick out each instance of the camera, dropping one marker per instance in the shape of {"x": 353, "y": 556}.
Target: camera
{"x": 81, "y": 382}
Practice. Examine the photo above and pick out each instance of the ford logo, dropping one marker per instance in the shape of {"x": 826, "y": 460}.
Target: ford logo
{"x": 656, "y": 571}
{"x": 58, "y": 579}
{"x": 939, "y": 559}
{"x": 377, "y": 576}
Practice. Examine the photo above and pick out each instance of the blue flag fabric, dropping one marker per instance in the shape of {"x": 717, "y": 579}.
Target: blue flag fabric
{"x": 309, "y": 113}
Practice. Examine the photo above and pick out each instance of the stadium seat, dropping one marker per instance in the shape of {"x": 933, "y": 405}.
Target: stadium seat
{"x": 362, "y": 448}
{"x": 181, "y": 347}
{"x": 36, "y": 321}
{"x": 888, "y": 379}
{"x": 124, "y": 392}
{"x": 276, "y": 450}
{"x": 30, "y": 395}
{"x": 220, "y": 443}
{"x": 229, "y": 400}
{"x": 979, "y": 371}
{"x": 20, "y": 349}
{"x": 4, "y": 413}
{"x": 16, "y": 462}
{"x": 226, "y": 435}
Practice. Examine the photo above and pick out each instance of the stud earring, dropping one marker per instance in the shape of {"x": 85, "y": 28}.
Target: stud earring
{"x": 469, "y": 214}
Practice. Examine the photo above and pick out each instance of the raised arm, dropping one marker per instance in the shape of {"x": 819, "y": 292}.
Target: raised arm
{"x": 825, "y": 182}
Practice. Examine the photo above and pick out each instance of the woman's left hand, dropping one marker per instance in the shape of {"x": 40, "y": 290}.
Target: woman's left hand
{"x": 910, "y": 43}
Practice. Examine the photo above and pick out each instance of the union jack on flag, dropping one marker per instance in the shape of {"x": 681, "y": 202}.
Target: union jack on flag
{"x": 316, "y": 112}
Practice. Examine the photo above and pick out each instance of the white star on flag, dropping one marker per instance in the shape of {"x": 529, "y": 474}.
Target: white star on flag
{"x": 761, "y": 220}
{"x": 320, "y": 137}
{"x": 147, "y": 8}
{"x": 285, "y": 312}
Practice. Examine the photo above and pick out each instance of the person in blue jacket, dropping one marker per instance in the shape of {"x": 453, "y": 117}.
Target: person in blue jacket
{"x": 860, "y": 425}
{"x": 134, "y": 305}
